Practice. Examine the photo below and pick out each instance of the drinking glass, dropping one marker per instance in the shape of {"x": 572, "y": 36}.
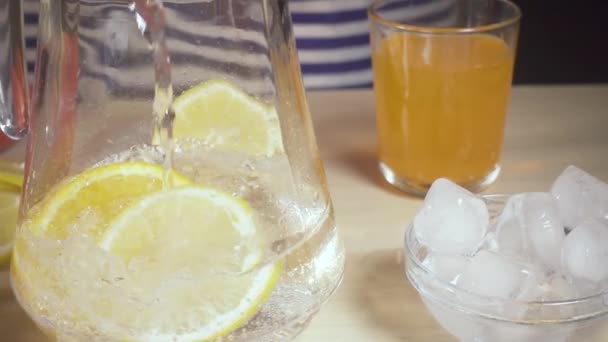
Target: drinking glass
{"x": 173, "y": 186}
{"x": 442, "y": 78}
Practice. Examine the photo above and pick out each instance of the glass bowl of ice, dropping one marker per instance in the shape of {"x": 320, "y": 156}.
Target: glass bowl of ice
{"x": 528, "y": 267}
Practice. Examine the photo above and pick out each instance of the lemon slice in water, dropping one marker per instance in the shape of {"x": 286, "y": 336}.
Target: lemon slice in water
{"x": 104, "y": 190}
{"x": 208, "y": 234}
{"x": 227, "y": 118}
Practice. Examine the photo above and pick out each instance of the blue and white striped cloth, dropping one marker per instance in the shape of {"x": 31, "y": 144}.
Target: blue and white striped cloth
{"x": 30, "y": 30}
{"x": 332, "y": 37}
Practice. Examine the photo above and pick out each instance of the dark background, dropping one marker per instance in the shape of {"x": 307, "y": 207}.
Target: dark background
{"x": 562, "y": 42}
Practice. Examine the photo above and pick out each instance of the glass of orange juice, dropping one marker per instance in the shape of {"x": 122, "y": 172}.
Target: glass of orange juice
{"x": 442, "y": 78}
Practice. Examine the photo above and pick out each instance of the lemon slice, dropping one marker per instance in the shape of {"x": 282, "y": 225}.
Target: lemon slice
{"x": 100, "y": 194}
{"x": 225, "y": 117}
{"x": 206, "y": 233}
{"x": 9, "y": 205}
{"x": 10, "y": 180}
{"x": 11, "y": 176}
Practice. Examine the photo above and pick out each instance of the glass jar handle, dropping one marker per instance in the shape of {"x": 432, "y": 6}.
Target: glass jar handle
{"x": 14, "y": 100}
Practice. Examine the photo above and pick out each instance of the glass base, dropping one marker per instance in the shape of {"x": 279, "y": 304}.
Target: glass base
{"x": 286, "y": 333}
{"x": 294, "y": 328}
{"x": 420, "y": 189}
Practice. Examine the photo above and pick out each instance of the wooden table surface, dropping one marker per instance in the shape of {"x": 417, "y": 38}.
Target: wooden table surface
{"x": 549, "y": 127}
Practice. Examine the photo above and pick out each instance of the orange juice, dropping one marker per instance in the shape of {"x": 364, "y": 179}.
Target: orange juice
{"x": 441, "y": 102}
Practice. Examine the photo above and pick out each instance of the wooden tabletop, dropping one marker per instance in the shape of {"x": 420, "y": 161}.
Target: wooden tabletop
{"x": 548, "y": 129}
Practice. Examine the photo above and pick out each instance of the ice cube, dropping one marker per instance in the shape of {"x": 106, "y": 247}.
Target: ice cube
{"x": 580, "y": 196}
{"x": 452, "y": 219}
{"x": 530, "y": 289}
{"x": 446, "y": 267}
{"x": 585, "y": 251}
{"x": 510, "y": 237}
{"x": 552, "y": 287}
{"x": 533, "y": 284}
{"x": 539, "y": 215}
{"x": 555, "y": 287}
{"x": 492, "y": 275}
{"x": 559, "y": 287}
{"x": 530, "y": 228}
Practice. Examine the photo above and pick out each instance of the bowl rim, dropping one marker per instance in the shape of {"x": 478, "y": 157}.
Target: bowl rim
{"x": 459, "y": 292}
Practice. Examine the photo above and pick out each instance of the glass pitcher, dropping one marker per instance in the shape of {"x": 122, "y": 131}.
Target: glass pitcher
{"x": 174, "y": 190}
{"x": 13, "y": 89}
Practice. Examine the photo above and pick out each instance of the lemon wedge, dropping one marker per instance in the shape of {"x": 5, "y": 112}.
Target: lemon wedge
{"x": 223, "y": 116}
{"x": 9, "y": 205}
{"x": 105, "y": 191}
{"x": 11, "y": 175}
{"x": 11, "y": 179}
{"x": 208, "y": 234}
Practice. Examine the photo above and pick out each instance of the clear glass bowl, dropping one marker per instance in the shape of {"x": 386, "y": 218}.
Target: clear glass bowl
{"x": 474, "y": 318}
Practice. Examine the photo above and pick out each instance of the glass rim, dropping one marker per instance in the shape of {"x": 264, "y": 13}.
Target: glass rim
{"x": 580, "y": 301}
{"x": 374, "y": 16}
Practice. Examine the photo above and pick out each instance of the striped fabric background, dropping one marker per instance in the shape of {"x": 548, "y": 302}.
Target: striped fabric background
{"x": 30, "y": 30}
{"x": 332, "y": 37}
